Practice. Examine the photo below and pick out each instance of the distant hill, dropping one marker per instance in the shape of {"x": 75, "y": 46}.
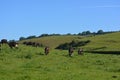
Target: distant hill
{"x": 53, "y": 41}
{"x": 105, "y": 42}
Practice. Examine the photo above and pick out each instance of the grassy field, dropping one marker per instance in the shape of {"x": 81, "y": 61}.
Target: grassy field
{"x": 107, "y": 42}
{"x": 30, "y": 63}
{"x": 53, "y": 41}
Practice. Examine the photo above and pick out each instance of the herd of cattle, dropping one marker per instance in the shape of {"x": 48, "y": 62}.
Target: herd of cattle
{"x": 13, "y": 44}
{"x": 34, "y": 44}
{"x": 71, "y": 50}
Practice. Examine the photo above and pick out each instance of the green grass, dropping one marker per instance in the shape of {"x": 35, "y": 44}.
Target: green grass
{"x": 106, "y": 42}
{"x": 30, "y": 63}
{"x": 54, "y": 41}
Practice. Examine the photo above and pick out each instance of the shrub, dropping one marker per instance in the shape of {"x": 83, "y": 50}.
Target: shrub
{"x": 73, "y": 44}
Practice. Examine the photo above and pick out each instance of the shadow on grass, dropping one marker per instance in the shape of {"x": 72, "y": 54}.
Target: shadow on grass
{"x": 105, "y": 52}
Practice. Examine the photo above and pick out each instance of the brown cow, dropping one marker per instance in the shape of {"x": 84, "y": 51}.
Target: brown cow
{"x": 80, "y": 51}
{"x": 46, "y": 50}
{"x": 70, "y": 51}
{"x": 34, "y": 44}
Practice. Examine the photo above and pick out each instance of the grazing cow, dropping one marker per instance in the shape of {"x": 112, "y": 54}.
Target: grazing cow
{"x": 13, "y": 44}
{"x": 37, "y": 45}
{"x": 4, "y": 41}
{"x": 46, "y": 50}
{"x": 80, "y": 51}
{"x": 34, "y": 44}
{"x": 70, "y": 50}
{"x": 25, "y": 43}
{"x": 29, "y": 43}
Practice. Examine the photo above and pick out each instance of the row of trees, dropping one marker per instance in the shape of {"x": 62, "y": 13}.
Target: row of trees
{"x": 84, "y": 33}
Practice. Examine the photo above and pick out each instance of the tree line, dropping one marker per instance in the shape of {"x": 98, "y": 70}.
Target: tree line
{"x": 84, "y": 33}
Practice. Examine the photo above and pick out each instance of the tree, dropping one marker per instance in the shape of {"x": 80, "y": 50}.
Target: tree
{"x": 100, "y": 32}
{"x": 79, "y": 33}
{"x": 43, "y": 35}
{"x": 30, "y": 37}
{"x": 22, "y": 38}
{"x": 88, "y": 32}
{"x": 68, "y": 34}
{"x": 84, "y": 33}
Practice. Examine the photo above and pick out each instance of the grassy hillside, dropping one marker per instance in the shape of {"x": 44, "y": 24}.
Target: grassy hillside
{"x": 54, "y": 41}
{"x": 30, "y": 63}
{"x": 107, "y": 42}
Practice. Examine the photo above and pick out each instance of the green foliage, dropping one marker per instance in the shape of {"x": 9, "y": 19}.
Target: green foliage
{"x": 74, "y": 44}
{"x": 85, "y": 33}
{"x": 31, "y": 37}
{"x": 100, "y": 32}
{"x": 22, "y": 38}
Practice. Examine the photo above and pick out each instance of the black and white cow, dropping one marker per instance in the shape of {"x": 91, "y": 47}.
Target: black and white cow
{"x": 13, "y": 44}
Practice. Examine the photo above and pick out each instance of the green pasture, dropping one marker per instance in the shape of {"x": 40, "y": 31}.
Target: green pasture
{"x": 105, "y": 42}
{"x": 53, "y": 41}
{"x": 30, "y": 63}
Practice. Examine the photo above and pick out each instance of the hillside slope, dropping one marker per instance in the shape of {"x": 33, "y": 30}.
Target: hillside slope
{"x": 53, "y": 41}
{"x": 99, "y": 42}
{"x": 107, "y": 42}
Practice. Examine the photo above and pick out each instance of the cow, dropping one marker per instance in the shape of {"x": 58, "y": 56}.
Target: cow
{"x": 34, "y": 44}
{"x": 70, "y": 51}
{"x": 25, "y": 43}
{"x": 29, "y": 43}
{"x": 37, "y": 45}
{"x": 46, "y": 50}
{"x": 13, "y": 44}
{"x": 80, "y": 51}
{"x": 4, "y": 41}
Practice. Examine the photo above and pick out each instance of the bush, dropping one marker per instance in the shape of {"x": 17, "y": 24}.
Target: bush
{"x": 74, "y": 44}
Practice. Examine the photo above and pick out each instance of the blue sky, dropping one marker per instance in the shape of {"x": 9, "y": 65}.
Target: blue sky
{"x": 35, "y": 17}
